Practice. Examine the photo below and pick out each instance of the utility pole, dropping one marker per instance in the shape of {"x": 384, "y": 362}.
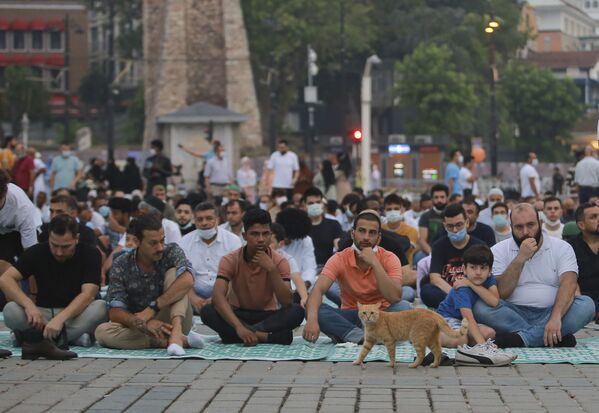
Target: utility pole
{"x": 311, "y": 98}
{"x": 66, "y": 78}
{"x": 110, "y": 111}
{"x": 492, "y": 26}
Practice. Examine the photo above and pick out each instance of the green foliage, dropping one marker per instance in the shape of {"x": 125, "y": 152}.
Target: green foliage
{"x": 127, "y": 12}
{"x": 437, "y": 97}
{"x": 94, "y": 89}
{"x": 74, "y": 126}
{"x": 136, "y": 117}
{"x": 23, "y": 94}
{"x": 543, "y": 107}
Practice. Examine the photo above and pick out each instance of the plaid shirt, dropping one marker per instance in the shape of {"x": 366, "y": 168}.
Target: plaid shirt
{"x": 133, "y": 289}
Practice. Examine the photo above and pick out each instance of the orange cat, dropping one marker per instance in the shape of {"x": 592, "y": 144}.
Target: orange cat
{"x": 420, "y": 326}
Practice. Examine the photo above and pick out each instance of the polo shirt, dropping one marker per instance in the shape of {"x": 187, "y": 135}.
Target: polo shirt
{"x": 250, "y": 287}
{"x": 19, "y": 215}
{"x": 586, "y": 172}
{"x": 217, "y": 171}
{"x": 355, "y": 285}
{"x": 588, "y": 267}
{"x": 206, "y": 257}
{"x": 540, "y": 277}
{"x": 65, "y": 169}
{"x": 283, "y": 167}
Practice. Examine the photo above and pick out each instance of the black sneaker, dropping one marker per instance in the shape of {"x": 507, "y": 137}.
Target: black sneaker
{"x": 430, "y": 358}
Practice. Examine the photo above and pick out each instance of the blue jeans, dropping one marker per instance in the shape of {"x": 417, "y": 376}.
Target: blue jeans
{"x": 529, "y": 322}
{"x": 345, "y": 325}
{"x": 334, "y": 294}
{"x": 431, "y": 295}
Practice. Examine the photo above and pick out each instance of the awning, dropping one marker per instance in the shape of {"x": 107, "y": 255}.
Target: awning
{"x": 55, "y": 60}
{"x": 4, "y": 60}
{"x": 37, "y": 24}
{"x": 4, "y": 24}
{"x": 37, "y": 59}
{"x": 55, "y": 25}
{"x": 19, "y": 59}
{"x": 19, "y": 25}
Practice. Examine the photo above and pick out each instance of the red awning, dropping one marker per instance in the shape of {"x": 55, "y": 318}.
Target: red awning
{"x": 19, "y": 59}
{"x": 55, "y": 25}
{"x": 20, "y": 25}
{"x": 55, "y": 60}
{"x": 37, "y": 59}
{"x": 37, "y": 24}
{"x": 4, "y": 60}
{"x": 4, "y": 24}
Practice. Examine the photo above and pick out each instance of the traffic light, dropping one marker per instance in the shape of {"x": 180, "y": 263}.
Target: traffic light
{"x": 356, "y": 135}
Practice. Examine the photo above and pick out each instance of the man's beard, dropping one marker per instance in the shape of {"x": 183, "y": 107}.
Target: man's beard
{"x": 537, "y": 237}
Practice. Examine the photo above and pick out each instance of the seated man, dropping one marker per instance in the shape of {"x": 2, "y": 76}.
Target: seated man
{"x": 366, "y": 274}
{"x": 477, "y": 229}
{"x": 494, "y": 196}
{"x": 147, "y": 295}
{"x": 67, "y": 274}
{"x": 252, "y": 300}
{"x": 63, "y": 204}
{"x": 537, "y": 282}
{"x": 234, "y": 211}
{"x": 205, "y": 247}
{"x": 184, "y": 214}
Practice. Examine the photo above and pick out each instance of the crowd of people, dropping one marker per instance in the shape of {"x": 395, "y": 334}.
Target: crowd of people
{"x": 254, "y": 263}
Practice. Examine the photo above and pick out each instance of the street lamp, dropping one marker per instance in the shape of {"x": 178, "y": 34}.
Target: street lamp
{"x": 366, "y": 121}
{"x": 492, "y": 26}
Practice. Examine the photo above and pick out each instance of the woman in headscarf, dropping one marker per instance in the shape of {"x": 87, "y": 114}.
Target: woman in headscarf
{"x": 246, "y": 179}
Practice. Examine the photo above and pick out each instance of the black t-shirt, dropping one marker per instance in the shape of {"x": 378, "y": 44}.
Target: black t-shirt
{"x": 58, "y": 283}
{"x": 588, "y": 267}
{"x": 323, "y": 236}
{"x": 390, "y": 241}
{"x": 484, "y": 233}
{"x": 434, "y": 223}
{"x": 87, "y": 235}
{"x": 447, "y": 259}
{"x": 186, "y": 229}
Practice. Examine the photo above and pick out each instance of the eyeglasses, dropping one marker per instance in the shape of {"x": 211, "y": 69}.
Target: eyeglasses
{"x": 457, "y": 226}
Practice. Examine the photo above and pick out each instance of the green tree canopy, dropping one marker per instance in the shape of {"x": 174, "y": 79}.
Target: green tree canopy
{"x": 437, "y": 98}
{"x": 543, "y": 107}
{"x": 22, "y": 94}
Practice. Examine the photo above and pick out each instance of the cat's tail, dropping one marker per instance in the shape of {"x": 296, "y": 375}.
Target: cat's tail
{"x": 444, "y": 327}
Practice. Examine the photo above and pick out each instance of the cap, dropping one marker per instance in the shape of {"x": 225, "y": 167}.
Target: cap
{"x": 570, "y": 229}
{"x": 495, "y": 191}
{"x": 120, "y": 204}
{"x": 233, "y": 187}
{"x": 369, "y": 212}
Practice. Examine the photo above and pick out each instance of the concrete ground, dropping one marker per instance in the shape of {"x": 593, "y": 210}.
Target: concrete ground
{"x": 146, "y": 386}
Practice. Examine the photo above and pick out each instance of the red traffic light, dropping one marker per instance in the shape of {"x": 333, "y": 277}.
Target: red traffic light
{"x": 357, "y": 135}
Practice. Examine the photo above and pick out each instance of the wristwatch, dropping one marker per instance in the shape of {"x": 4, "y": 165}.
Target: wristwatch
{"x": 154, "y": 306}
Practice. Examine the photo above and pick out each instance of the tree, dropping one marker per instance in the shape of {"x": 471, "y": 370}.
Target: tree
{"x": 22, "y": 95}
{"x": 436, "y": 97}
{"x": 543, "y": 107}
{"x": 94, "y": 89}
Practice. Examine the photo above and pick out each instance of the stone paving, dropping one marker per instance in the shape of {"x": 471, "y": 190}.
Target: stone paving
{"x": 178, "y": 386}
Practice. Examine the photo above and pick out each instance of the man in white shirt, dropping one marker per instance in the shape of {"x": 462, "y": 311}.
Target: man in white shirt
{"x": 530, "y": 182}
{"x": 537, "y": 278}
{"x": 467, "y": 178}
{"x": 204, "y": 247}
{"x": 494, "y": 196}
{"x": 285, "y": 167}
{"x": 586, "y": 175}
{"x": 217, "y": 173}
{"x": 552, "y": 224}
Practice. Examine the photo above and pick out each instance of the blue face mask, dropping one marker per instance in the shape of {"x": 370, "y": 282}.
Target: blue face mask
{"x": 104, "y": 211}
{"x": 457, "y": 236}
{"x": 127, "y": 249}
{"x": 500, "y": 220}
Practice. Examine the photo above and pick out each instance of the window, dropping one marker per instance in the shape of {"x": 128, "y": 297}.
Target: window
{"x": 595, "y": 4}
{"x": 587, "y": 4}
{"x": 95, "y": 41}
{"x": 55, "y": 40}
{"x": 56, "y": 81}
{"x": 18, "y": 40}
{"x": 3, "y": 39}
{"x": 37, "y": 40}
{"x": 2, "y": 77}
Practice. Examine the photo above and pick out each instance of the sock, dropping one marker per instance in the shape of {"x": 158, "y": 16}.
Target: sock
{"x": 505, "y": 340}
{"x": 567, "y": 341}
{"x": 284, "y": 337}
{"x": 175, "y": 350}
{"x": 195, "y": 340}
{"x": 83, "y": 341}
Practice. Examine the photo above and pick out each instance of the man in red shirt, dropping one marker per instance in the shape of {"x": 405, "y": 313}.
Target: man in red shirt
{"x": 24, "y": 170}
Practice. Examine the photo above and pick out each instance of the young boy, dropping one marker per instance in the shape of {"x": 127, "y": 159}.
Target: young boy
{"x": 300, "y": 293}
{"x": 478, "y": 283}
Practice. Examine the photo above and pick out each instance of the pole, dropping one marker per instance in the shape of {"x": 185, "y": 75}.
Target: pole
{"x": 365, "y": 144}
{"x": 110, "y": 114}
{"x": 67, "y": 91}
{"x": 493, "y": 106}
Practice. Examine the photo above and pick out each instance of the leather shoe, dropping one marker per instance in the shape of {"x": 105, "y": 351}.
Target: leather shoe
{"x": 4, "y": 353}
{"x": 46, "y": 349}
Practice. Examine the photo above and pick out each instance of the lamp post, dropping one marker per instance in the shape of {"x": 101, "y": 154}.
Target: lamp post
{"x": 490, "y": 29}
{"x": 366, "y": 120}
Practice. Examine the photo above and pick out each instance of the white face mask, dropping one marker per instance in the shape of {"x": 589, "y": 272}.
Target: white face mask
{"x": 225, "y": 200}
{"x": 207, "y": 233}
{"x": 66, "y": 154}
{"x": 152, "y": 151}
{"x": 355, "y": 248}
{"x": 281, "y": 199}
{"x": 315, "y": 210}
{"x": 461, "y": 159}
{"x": 535, "y": 162}
{"x": 393, "y": 216}
{"x": 263, "y": 206}
{"x": 552, "y": 223}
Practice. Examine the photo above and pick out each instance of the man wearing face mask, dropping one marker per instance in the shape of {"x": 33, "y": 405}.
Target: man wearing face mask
{"x": 452, "y": 172}
{"x": 501, "y": 224}
{"x": 447, "y": 264}
{"x": 537, "y": 279}
{"x": 205, "y": 247}
{"x": 325, "y": 232}
{"x": 430, "y": 225}
{"x": 66, "y": 170}
{"x": 366, "y": 274}
{"x": 495, "y": 195}
{"x": 552, "y": 224}
{"x": 530, "y": 182}
{"x": 285, "y": 166}
{"x": 217, "y": 173}
{"x": 394, "y": 211}
{"x": 157, "y": 166}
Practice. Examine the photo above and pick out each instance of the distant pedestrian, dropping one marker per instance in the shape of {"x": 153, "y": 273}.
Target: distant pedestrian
{"x": 247, "y": 179}
{"x": 285, "y": 166}
{"x": 343, "y": 169}
{"x": 452, "y": 172}
{"x": 157, "y": 167}
{"x": 530, "y": 182}
{"x": 217, "y": 173}
{"x": 7, "y": 153}
{"x": 66, "y": 170}
{"x": 132, "y": 176}
{"x": 586, "y": 175}
{"x": 558, "y": 181}
{"x": 325, "y": 180}
{"x": 24, "y": 170}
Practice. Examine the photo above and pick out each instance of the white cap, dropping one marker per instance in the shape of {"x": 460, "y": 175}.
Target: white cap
{"x": 495, "y": 191}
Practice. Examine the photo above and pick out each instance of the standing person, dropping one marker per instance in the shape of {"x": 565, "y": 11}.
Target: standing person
{"x": 7, "y": 154}
{"x": 132, "y": 176}
{"x": 66, "y": 170}
{"x": 217, "y": 173}
{"x": 157, "y": 167}
{"x": 39, "y": 184}
{"x": 530, "y": 182}
{"x": 558, "y": 181}
{"x": 375, "y": 177}
{"x": 285, "y": 166}
{"x": 343, "y": 169}
{"x": 247, "y": 179}
{"x": 552, "y": 224}
{"x": 586, "y": 175}
{"x": 114, "y": 176}
{"x": 452, "y": 172}
{"x": 325, "y": 180}
{"x": 304, "y": 178}
{"x": 467, "y": 177}
{"x": 24, "y": 170}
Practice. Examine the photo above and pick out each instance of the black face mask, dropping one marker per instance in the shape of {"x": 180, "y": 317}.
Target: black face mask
{"x": 440, "y": 206}
{"x": 537, "y": 237}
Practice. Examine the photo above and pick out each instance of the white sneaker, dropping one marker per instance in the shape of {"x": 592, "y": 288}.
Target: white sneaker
{"x": 485, "y": 354}
{"x": 84, "y": 340}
